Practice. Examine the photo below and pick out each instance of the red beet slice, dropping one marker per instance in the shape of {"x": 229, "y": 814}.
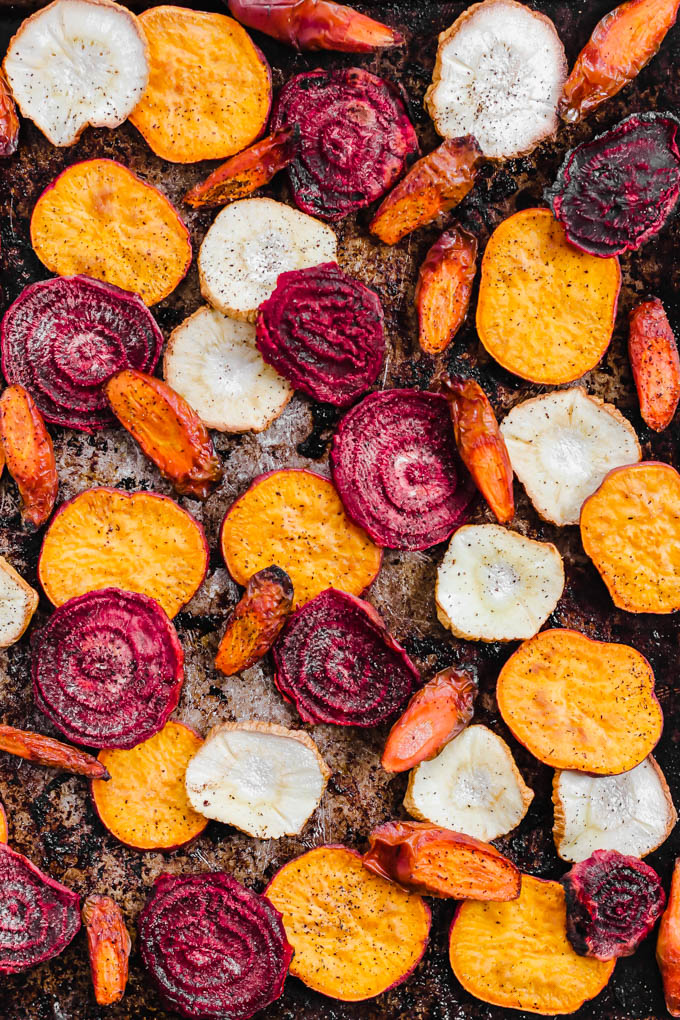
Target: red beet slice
{"x": 63, "y": 338}
{"x": 338, "y": 664}
{"x": 38, "y": 916}
{"x": 613, "y": 902}
{"x": 397, "y": 470}
{"x": 615, "y": 192}
{"x": 212, "y": 947}
{"x": 108, "y": 668}
{"x": 355, "y": 138}
{"x": 323, "y": 331}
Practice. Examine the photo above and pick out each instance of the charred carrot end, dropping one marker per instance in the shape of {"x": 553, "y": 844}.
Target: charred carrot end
{"x": 29, "y": 454}
{"x": 668, "y": 946}
{"x": 251, "y": 169}
{"x": 4, "y": 828}
{"x": 444, "y": 288}
{"x": 42, "y": 750}
{"x": 108, "y": 944}
{"x": 315, "y": 25}
{"x": 256, "y": 620}
{"x": 9, "y": 121}
{"x": 655, "y": 363}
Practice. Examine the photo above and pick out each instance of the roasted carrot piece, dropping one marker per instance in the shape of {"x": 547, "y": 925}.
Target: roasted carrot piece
{"x": 444, "y": 288}
{"x": 9, "y": 121}
{"x": 29, "y": 454}
{"x": 256, "y": 621}
{"x": 668, "y": 945}
{"x": 248, "y": 171}
{"x": 315, "y": 25}
{"x": 42, "y": 750}
{"x": 109, "y": 945}
{"x": 655, "y": 363}
{"x": 4, "y": 829}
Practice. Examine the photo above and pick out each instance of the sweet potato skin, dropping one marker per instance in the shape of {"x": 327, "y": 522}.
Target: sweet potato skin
{"x": 315, "y": 25}
{"x": 109, "y": 945}
{"x": 42, "y": 750}
{"x": 654, "y": 360}
{"x": 444, "y": 288}
{"x": 9, "y": 120}
{"x": 29, "y": 454}
{"x": 256, "y": 621}
{"x": 244, "y": 173}
{"x": 668, "y": 945}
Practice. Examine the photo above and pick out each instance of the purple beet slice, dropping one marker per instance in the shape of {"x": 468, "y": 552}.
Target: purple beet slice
{"x": 396, "y": 467}
{"x": 614, "y": 193}
{"x": 108, "y": 668}
{"x": 38, "y": 916}
{"x": 338, "y": 664}
{"x": 212, "y": 947}
{"x": 323, "y": 331}
{"x": 63, "y": 338}
{"x": 355, "y": 139}
{"x": 613, "y": 902}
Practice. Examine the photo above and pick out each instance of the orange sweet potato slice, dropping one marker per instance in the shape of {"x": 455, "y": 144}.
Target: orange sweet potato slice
{"x": 108, "y": 945}
{"x": 145, "y": 804}
{"x": 28, "y": 451}
{"x": 209, "y": 89}
{"x": 140, "y": 541}
{"x": 256, "y": 621}
{"x": 295, "y": 520}
{"x": 4, "y": 828}
{"x": 516, "y": 954}
{"x": 582, "y": 704}
{"x": 354, "y": 934}
{"x": 630, "y": 528}
{"x": 545, "y": 311}
{"x": 244, "y": 173}
{"x": 100, "y": 219}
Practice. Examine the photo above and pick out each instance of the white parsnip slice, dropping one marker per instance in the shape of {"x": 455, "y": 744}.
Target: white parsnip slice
{"x": 18, "y": 602}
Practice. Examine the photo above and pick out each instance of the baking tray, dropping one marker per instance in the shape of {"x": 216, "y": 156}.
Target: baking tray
{"x": 51, "y": 818}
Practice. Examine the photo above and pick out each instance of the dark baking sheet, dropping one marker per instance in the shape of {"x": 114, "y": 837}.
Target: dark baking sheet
{"x": 51, "y": 818}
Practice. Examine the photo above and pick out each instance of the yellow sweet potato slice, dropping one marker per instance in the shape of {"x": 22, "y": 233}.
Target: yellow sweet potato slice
{"x": 140, "y": 541}
{"x": 354, "y": 933}
{"x": 581, "y": 704}
{"x": 515, "y": 954}
{"x": 630, "y": 528}
{"x": 546, "y": 310}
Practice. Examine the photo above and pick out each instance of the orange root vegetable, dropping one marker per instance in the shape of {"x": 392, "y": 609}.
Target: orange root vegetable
{"x": 444, "y": 288}
{"x": 315, "y": 25}
{"x": 168, "y": 430}
{"x": 516, "y": 954}
{"x": 29, "y": 454}
{"x": 41, "y": 750}
{"x": 256, "y": 621}
{"x": 668, "y": 945}
{"x": 100, "y": 219}
{"x": 109, "y": 945}
{"x": 622, "y": 43}
{"x": 582, "y": 704}
{"x": 438, "y": 862}
{"x": 436, "y": 714}
{"x": 209, "y": 89}
{"x": 9, "y": 120}
{"x": 630, "y": 528}
{"x": 654, "y": 360}
{"x": 546, "y": 311}
{"x": 243, "y": 174}
{"x": 145, "y": 804}
{"x": 354, "y": 934}
{"x": 435, "y": 184}
{"x": 4, "y": 828}
{"x": 140, "y": 541}
{"x": 294, "y": 519}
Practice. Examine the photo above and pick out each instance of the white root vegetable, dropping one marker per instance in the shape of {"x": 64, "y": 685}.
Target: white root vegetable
{"x": 18, "y": 602}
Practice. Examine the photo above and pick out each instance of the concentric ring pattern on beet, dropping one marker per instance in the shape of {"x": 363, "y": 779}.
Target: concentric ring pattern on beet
{"x": 63, "y": 338}
{"x": 397, "y": 470}
{"x": 355, "y": 139}
{"x": 108, "y": 668}
{"x": 212, "y": 947}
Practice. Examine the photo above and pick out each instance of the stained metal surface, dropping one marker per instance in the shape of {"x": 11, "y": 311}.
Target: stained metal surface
{"x": 51, "y": 817}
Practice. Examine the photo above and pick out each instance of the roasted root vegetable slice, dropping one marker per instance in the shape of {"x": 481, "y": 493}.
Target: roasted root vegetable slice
{"x": 29, "y": 455}
{"x": 4, "y": 828}
{"x": 562, "y": 445}
{"x": 582, "y": 704}
{"x": 244, "y": 173}
{"x": 472, "y": 786}
{"x": 498, "y": 76}
{"x": 249, "y": 245}
{"x": 630, "y": 528}
{"x": 516, "y": 954}
{"x": 108, "y": 945}
{"x": 546, "y": 310}
{"x": 496, "y": 585}
{"x": 259, "y": 777}
{"x": 256, "y": 621}
{"x": 77, "y": 62}
{"x": 18, "y": 603}
{"x": 439, "y": 862}
{"x": 40, "y": 916}
{"x": 315, "y": 25}
{"x": 338, "y": 664}
{"x": 141, "y": 542}
{"x": 653, "y": 354}
{"x": 168, "y": 430}
{"x": 355, "y": 139}
{"x": 444, "y": 287}
{"x": 9, "y": 121}
{"x": 144, "y": 804}
{"x": 100, "y": 219}
{"x": 42, "y": 750}
{"x": 191, "y": 109}
{"x": 354, "y": 934}
{"x": 294, "y": 519}
{"x": 668, "y": 946}
{"x": 213, "y": 947}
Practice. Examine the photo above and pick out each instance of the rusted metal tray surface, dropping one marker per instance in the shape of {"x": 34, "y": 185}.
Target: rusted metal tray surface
{"x": 51, "y": 817}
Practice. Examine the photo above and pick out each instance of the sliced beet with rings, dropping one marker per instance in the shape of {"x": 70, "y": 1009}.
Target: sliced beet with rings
{"x": 355, "y": 139}
{"x": 63, "y": 338}
{"x": 338, "y": 664}
{"x": 212, "y": 947}
{"x": 615, "y": 192}
{"x": 108, "y": 668}
{"x": 323, "y": 331}
{"x": 396, "y": 467}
